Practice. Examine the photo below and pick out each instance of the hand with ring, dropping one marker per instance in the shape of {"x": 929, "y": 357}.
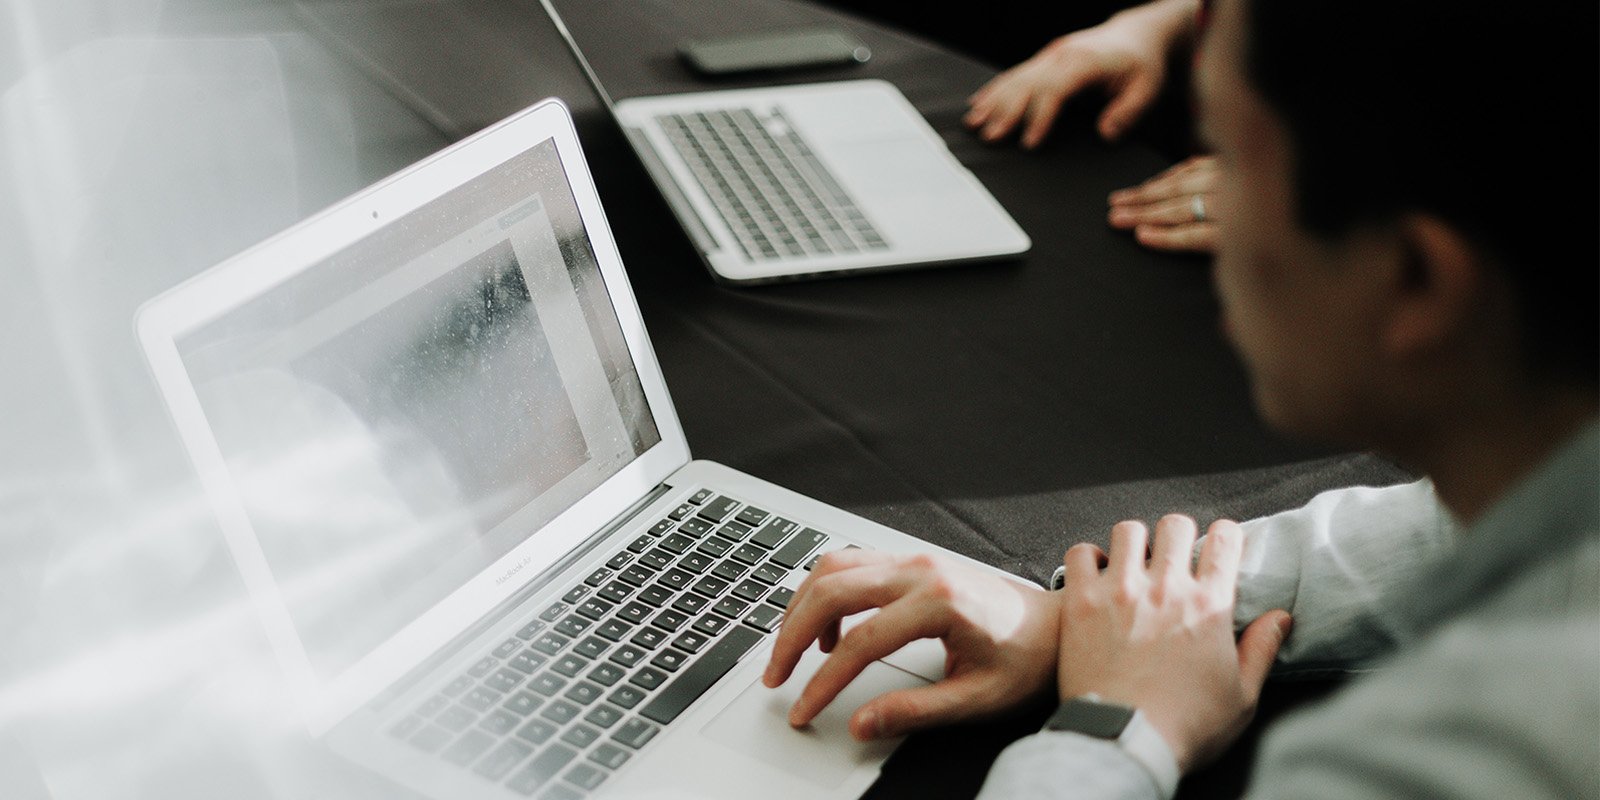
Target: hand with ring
{"x": 1173, "y": 210}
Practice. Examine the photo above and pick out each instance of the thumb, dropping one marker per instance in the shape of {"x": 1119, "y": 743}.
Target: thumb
{"x": 1258, "y": 647}
{"x": 1129, "y": 104}
{"x": 906, "y": 710}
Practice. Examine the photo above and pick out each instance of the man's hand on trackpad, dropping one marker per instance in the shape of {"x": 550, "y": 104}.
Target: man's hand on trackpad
{"x": 999, "y": 636}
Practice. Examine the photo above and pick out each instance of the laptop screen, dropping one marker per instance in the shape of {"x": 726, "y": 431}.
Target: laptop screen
{"x": 401, "y": 415}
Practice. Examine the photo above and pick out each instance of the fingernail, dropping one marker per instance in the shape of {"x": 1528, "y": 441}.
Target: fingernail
{"x": 1285, "y": 625}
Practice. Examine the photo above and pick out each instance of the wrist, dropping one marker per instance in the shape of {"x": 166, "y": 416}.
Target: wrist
{"x": 1174, "y": 22}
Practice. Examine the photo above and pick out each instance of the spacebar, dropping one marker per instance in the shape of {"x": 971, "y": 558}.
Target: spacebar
{"x": 700, "y": 675}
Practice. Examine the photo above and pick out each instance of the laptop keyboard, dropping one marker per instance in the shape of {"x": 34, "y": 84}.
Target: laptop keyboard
{"x": 590, "y": 679}
{"x": 768, "y": 186}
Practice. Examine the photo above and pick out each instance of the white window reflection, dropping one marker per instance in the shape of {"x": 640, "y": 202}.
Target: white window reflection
{"x": 142, "y": 141}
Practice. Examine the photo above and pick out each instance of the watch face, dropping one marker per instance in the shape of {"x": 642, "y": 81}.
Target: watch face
{"x": 1090, "y": 718}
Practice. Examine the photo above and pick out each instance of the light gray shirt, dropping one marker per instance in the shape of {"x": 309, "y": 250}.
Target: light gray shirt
{"x": 1481, "y": 652}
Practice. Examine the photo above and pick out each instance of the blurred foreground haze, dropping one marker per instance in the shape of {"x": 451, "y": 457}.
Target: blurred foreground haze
{"x": 142, "y": 141}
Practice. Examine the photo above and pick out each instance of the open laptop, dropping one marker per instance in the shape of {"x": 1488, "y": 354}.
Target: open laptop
{"x": 808, "y": 180}
{"x": 439, "y": 444}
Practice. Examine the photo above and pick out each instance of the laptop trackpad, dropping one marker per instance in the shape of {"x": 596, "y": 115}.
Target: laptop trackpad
{"x": 896, "y": 167}
{"x": 757, "y": 724}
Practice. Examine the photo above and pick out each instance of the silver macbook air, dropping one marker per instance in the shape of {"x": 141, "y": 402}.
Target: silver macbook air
{"x": 440, "y": 448}
{"x": 810, "y": 180}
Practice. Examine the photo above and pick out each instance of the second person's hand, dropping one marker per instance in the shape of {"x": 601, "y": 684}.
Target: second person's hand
{"x": 1126, "y": 56}
{"x": 1173, "y": 210}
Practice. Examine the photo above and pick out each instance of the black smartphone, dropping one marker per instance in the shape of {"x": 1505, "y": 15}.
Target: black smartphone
{"x": 774, "y": 50}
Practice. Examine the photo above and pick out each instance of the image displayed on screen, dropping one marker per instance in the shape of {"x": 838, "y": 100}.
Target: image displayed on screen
{"x": 399, "y": 417}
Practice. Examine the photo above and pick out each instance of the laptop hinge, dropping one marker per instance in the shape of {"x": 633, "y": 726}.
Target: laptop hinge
{"x": 498, "y": 614}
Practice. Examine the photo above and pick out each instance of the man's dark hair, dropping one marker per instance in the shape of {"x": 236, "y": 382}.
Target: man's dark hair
{"x": 1483, "y": 114}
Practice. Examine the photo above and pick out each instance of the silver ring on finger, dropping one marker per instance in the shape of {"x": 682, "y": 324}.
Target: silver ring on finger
{"x": 1197, "y": 205}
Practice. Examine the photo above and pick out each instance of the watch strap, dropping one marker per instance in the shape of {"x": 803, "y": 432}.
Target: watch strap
{"x": 1088, "y": 716}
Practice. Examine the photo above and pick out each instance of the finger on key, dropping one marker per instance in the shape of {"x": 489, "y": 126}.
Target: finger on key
{"x": 834, "y": 562}
{"x": 831, "y": 598}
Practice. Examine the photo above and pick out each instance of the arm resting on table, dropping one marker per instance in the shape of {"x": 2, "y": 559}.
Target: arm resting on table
{"x": 1332, "y": 562}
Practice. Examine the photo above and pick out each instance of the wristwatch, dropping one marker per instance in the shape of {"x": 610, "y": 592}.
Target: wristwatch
{"x": 1088, "y": 715}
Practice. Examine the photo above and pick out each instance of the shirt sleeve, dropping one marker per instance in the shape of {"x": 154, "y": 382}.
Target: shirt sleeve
{"x": 1060, "y": 764}
{"x": 1331, "y": 562}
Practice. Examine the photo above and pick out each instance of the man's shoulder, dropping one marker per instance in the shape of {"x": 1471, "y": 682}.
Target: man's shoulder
{"x": 1533, "y": 641}
{"x": 1506, "y": 696}
{"x": 1565, "y": 585}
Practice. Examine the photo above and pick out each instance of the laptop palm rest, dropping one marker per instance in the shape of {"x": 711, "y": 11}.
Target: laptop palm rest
{"x": 757, "y": 724}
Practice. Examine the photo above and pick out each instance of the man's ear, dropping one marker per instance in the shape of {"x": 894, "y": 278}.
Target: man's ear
{"x": 1440, "y": 284}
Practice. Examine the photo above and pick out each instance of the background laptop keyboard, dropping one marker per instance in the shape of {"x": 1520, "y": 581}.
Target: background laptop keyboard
{"x": 590, "y": 679}
{"x": 768, "y": 186}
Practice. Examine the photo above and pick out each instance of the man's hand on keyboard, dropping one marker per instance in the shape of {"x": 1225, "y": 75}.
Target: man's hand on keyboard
{"x": 999, "y": 636}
